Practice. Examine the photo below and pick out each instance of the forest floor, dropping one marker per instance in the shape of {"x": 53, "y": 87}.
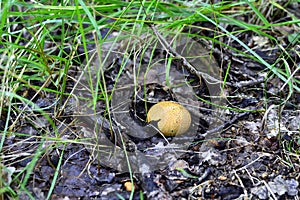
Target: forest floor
{"x": 74, "y": 90}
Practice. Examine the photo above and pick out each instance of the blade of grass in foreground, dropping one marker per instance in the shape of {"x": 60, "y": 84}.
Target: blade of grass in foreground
{"x": 57, "y": 172}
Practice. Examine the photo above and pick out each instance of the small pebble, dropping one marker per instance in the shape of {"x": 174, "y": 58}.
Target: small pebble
{"x": 222, "y": 178}
{"x": 233, "y": 129}
{"x": 264, "y": 175}
{"x": 128, "y": 186}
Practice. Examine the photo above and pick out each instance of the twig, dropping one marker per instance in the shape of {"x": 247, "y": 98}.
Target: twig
{"x": 241, "y": 183}
{"x": 270, "y": 190}
{"x": 204, "y": 175}
{"x": 226, "y": 124}
{"x": 247, "y": 83}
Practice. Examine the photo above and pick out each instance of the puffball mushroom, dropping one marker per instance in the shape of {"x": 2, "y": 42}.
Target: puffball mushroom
{"x": 173, "y": 119}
